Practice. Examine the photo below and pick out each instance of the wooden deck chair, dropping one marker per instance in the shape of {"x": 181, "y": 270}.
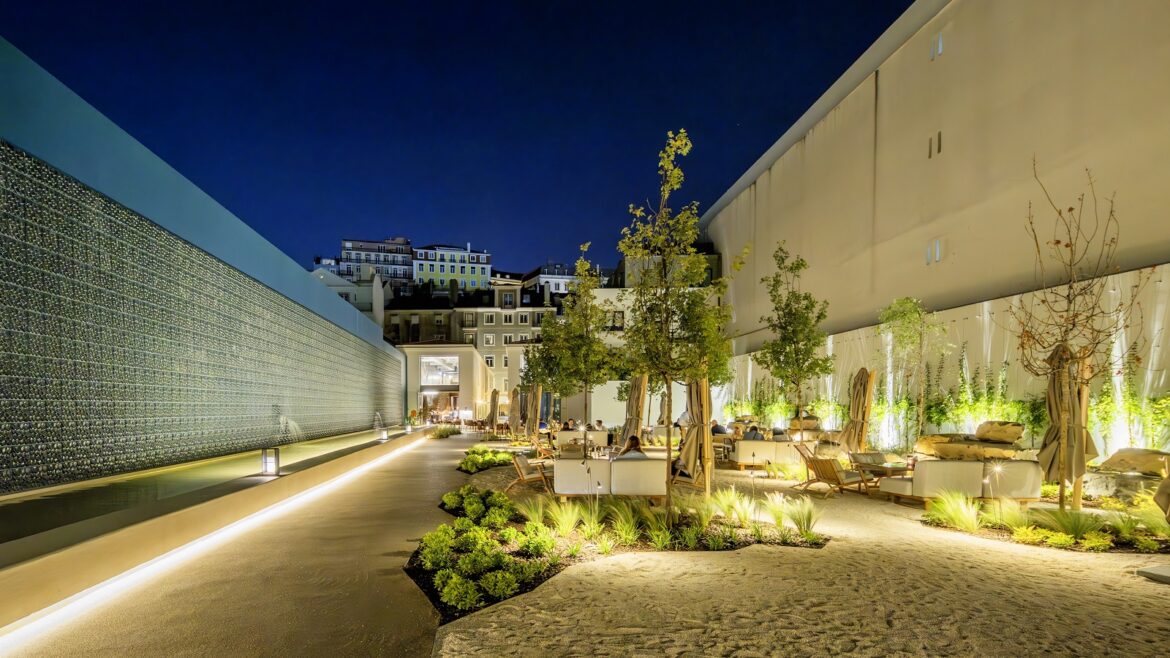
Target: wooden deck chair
{"x": 806, "y": 454}
{"x": 829, "y": 471}
{"x": 528, "y": 472}
{"x": 544, "y": 449}
{"x": 689, "y": 454}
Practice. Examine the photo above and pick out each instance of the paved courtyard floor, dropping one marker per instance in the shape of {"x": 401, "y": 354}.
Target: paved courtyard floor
{"x": 885, "y": 585}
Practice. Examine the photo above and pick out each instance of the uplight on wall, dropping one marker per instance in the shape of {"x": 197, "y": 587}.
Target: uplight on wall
{"x": 270, "y": 461}
{"x": 935, "y": 250}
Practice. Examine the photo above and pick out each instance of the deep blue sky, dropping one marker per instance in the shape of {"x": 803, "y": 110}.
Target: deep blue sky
{"x": 525, "y": 128}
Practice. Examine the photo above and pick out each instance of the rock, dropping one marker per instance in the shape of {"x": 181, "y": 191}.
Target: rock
{"x": 999, "y": 431}
{"x": 925, "y": 444}
{"x": 1117, "y": 485}
{"x": 971, "y": 450}
{"x": 1138, "y": 460}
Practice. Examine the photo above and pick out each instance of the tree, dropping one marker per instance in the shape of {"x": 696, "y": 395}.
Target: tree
{"x": 575, "y": 355}
{"x": 911, "y": 330}
{"x": 675, "y": 326}
{"x": 1067, "y": 328}
{"x": 792, "y": 353}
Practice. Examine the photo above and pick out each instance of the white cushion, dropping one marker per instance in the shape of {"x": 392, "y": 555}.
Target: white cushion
{"x": 784, "y": 452}
{"x": 754, "y": 452}
{"x": 638, "y": 477}
{"x": 571, "y": 477}
{"x": 902, "y": 485}
{"x": 1012, "y": 479}
{"x": 935, "y": 476}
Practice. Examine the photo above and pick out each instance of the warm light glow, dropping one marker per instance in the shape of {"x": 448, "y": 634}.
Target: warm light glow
{"x": 67, "y": 610}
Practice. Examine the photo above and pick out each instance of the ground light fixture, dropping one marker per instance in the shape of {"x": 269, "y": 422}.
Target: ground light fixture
{"x": 270, "y": 461}
{"x": 63, "y": 612}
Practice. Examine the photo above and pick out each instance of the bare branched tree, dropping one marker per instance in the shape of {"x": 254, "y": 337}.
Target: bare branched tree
{"x": 1067, "y": 328}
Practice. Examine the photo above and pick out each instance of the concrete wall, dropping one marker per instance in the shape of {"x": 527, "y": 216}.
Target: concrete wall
{"x": 1073, "y": 83}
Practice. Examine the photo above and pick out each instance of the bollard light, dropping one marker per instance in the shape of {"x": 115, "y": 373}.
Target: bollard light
{"x": 270, "y": 461}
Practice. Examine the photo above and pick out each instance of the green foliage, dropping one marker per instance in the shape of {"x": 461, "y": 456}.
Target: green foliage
{"x": 1124, "y": 525}
{"x": 510, "y": 535}
{"x": 479, "y": 561}
{"x": 757, "y": 530}
{"x": 574, "y": 549}
{"x": 1096, "y": 542}
{"x": 564, "y": 516}
{"x": 474, "y": 539}
{"x": 1075, "y": 524}
{"x": 473, "y": 506}
{"x": 803, "y": 514}
{"x": 954, "y": 509}
{"x": 533, "y": 508}
{"x": 833, "y": 414}
{"x": 1004, "y": 513}
{"x": 499, "y": 584}
{"x": 660, "y": 538}
{"x": 496, "y": 518}
{"x": 538, "y": 540}
{"x": 452, "y": 500}
{"x": 775, "y": 505}
{"x": 445, "y": 431}
{"x": 1150, "y": 515}
{"x": 1049, "y": 490}
{"x": 673, "y": 331}
{"x": 1060, "y": 540}
{"x": 604, "y": 543}
{"x": 441, "y": 578}
{"x": 912, "y": 331}
{"x": 719, "y": 538}
{"x": 525, "y": 571}
{"x": 481, "y": 457}
{"x": 1030, "y": 535}
{"x": 437, "y": 550}
{"x": 743, "y": 510}
{"x": 793, "y": 354}
{"x": 723, "y": 500}
{"x": 461, "y": 593}
{"x": 768, "y": 403}
{"x": 1144, "y": 421}
{"x": 463, "y": 524}
{"x": 655, "y": 519}
{"x": 1145, "y": 544}
{"x": 689, "y": 536}
{"x": 623, "y": 518}
{"x": 592, "y": 518}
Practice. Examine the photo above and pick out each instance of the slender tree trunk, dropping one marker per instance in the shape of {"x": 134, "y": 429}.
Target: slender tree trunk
{"x": 705, "y": 434}
{"x": 1083, "y": 397}
{"x": 1062, "y": 447}
{"x": 669, "y": 431}
{"x": 920, "y": 373}
{"x": 588, "y": 410}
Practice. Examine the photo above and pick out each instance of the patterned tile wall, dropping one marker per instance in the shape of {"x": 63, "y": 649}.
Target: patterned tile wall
{"x": 125, "y": 347}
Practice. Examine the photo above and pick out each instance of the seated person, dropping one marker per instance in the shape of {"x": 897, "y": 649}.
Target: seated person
{"x": 780, "y": 434}
{"x": 632, "y": 449}
{"x": 598, "y": 426}
{"x": 717, "y": 429}
{"x": 753, "y": 434}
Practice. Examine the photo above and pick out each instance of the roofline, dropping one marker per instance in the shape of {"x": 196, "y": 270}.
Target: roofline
{"x": 907, "y": 25}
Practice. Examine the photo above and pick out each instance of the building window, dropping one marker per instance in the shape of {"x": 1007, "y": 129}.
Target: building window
{"x": 509, "y": 298}
{"x": 489, "y": 340}
{"x": 523, "y": 318}
{"x": 439, "y": 370}
{"x": 463, "y": 269}
{"x": 617, "y": 320}
{"x": 473, "y": 283}
{"x": 442, "y": 268}
{"x": 505, "y": 364}
{"x": 490, "y": 361}
{"x": 469, "y": 339}
{"x": 507, "y": 339}
{"x": 522, "y": 337}
{"x": 507, "y": 318}
{"x": 442, "y": 282}
{"x": 462, "y": 258}
{"x": 438, "y": 320}
{"x": 432, "y": 267}
{"x": 489, "y": 318}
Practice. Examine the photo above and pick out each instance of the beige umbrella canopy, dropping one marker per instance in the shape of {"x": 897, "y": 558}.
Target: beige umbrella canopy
{"x": 493, "y": 410}
{"x": 860, "y": 401}
{"x": 533, "y": 420}
{"x": 635, "y": 409}
{"x": 699, "y": 431}
{"x": 1063, "y": 457}
{"x": 514, "y": 411}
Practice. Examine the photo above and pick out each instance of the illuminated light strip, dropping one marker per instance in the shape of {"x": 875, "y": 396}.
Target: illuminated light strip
{"x": 28, "y": 628}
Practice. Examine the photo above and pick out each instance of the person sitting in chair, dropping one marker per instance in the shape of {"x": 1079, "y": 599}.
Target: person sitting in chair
{"x": 717, "y": 429}
{"x": 632, "y": 449}
{"x": 753, "y": 434}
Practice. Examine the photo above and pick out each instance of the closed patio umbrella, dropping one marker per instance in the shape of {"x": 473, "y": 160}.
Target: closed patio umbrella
{"x": 699, "y": 432}
{"x": 635, "y": 409}
{"x": 860, "y": 400}
{"x": 493, "y": 410}
{"x": 1063, "y": 455}
{"x": 532, "y": 426}
{"x": 514, "y": 411}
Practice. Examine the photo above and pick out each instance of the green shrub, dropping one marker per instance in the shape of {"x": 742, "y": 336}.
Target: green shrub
{"x": 1049, "y": 490}
{"x": 479, "y": 561}
{"x": 1124, "y": 525}
{"x": 525, "y": 571}
{"x": 604, "y": 543}
{"x": 473, "y": 507}
{"x": 564, "y": 516}
{"x": 1004, "y": 513}
{"x": 1096, "y": 542}
{"x": 775, "y": 505}
{"x": 623, "y": 518}
{"x": 786, "y": 536}
{"x": 461, "y": 594}
{"x": 1060, "y": 540}
{"x": 743, "y": 509}
{"x": 463, "y": 524}
{"x": 441, "y": 578}
{"x": 452, "y": 500}
{"x": 1146, "y": 544}
{"x": 698, "y": 507}
{"x": 510, "y": 535}
{"x": 1030, "y": 535}
{"x": 1150, "y": 515}
{"x": 719, "y": 538}
{"x": 499, "y": 500}
{"x": 475, "y": 539}
{"x": 443, "y": 535}
{"x": 591, "y": 518}
{"x": 481, "y": 457}
{"x": 660, "y": 539}
{"x": 496, "y": 518}
{"x": 689, "y": 536}
{"x": 445, "y": 431}
{"x": 533, "y": 507}
{"x": 757, "y": 530}
{"x": 803, "y": 514}
{"x": 537, "y": 541}
{"x": 724, "y": 501}
{"x": 954, "y": 509}
{"x": 654, "y": 519}
{"x": 1069, "y": 522}
{"x": 499, "y": 584}
{"x": 1113, "y": 504}
{"x": 574, "y": 549}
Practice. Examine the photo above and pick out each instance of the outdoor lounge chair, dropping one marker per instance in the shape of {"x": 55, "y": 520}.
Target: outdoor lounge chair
{"x": 528, "y": 472}
{"x": 544, "y": 447}
{"x": 829, "y": 471}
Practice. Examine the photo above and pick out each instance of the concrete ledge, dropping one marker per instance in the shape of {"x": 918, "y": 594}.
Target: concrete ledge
{"x": 32, "y": 586}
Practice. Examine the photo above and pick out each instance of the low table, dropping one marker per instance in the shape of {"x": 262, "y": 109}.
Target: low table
{"x": 885, "y": 470}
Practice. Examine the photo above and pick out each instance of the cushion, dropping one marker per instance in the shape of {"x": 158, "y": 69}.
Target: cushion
{"x": 974, "y": 450}
{"x": 899, "y": 485}
{"x": 999, "y": 431}
{"x": 925, "y": 444}
{"x": 1138, "y": 460}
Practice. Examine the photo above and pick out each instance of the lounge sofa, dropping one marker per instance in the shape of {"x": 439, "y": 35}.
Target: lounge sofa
{"x": 620, "y": 477}
{"x": 758, "y": 453}
{"x": 993, "y": 479}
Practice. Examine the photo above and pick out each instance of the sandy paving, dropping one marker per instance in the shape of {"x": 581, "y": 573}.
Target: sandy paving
{"x": 885, "y": 585}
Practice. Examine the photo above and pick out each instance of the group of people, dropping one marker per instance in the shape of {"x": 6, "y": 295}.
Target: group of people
{"x": 572, "y": 425}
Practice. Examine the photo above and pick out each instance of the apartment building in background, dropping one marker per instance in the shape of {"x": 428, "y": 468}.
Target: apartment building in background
{"x": 391, "y": 259}
{"x": 441, "y": 264}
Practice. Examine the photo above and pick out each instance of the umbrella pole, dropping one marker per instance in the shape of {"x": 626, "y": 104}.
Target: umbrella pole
{"x": 1062, "y": 447}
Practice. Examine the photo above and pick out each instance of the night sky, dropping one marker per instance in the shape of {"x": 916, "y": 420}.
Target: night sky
{"x": 525, "y": 128}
